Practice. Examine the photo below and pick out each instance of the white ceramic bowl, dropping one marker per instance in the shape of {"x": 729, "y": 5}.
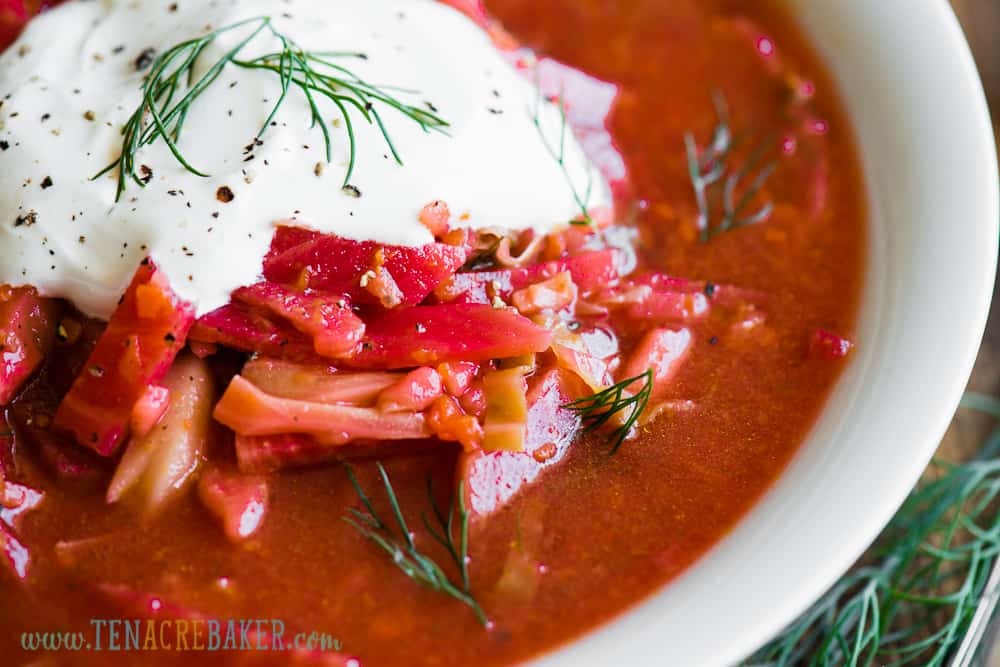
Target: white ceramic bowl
{"x": 913, "y": 94}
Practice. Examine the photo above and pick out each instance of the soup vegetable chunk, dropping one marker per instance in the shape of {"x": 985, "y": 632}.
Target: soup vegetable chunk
{"x": 439, "y": 332}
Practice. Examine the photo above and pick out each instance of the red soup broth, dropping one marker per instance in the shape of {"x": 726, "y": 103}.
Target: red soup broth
{"x": 596, "y": 535}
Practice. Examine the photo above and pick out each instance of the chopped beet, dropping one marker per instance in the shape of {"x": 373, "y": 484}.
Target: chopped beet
{"x": 414, "y": 392}
{"x": 493, "y": 478}
{"x": 589, "y": 271}
{"x": 17, "y": 499}
{"x": 31, "y": 418}
{"x": 829, "y": 346}
{"x": 330, "y": 322}
{"x": 663, "y": 351}
{"x": 27, "y": 332}
{"x": 287, "y": 237}
{"x": 430, "y": 335}
{"x": 146, "y": 331}
{"x": 670, "y": 306}
{"x": 149, "y": 408}
{"x": 238, "y": 501}
{"x": 723, "y": 295}
{"x": 341, "y": 267}
{"x": 15, "y": 555}
{"x": 14, "y": 15}
{"x": 269, "y": 453}
{"x": 241, "y": 327}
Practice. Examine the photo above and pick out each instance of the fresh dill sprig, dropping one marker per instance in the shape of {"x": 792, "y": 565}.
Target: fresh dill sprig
{"x": 913, "y": 604}
{"x": 710, "y": 167}
{"x": 599, "y": 409}
{"x": 445, "y": 535}
{"x": 557, "y": 150}
{"x": 170, "y": 89}
{"x": 403, "y": 550}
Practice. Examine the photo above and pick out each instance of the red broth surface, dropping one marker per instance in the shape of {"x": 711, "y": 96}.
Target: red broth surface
{"x": 596, "y": 535}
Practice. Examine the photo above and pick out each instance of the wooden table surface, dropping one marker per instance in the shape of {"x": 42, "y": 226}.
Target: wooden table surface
{"x": 981, "y": 20}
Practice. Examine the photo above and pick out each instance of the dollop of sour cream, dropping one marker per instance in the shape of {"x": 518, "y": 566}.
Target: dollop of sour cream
{"x": 74, "y": 78}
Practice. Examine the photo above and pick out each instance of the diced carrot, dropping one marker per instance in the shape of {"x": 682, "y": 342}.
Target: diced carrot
{"x": 473, "y": 401}
{"x": 553, "y": 294}
{"x": 449, "y": 422}
{"x": 435, "y": 217}
{"x": 457, "y": 376}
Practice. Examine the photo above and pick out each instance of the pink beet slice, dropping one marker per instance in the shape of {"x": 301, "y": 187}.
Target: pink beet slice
{"x": 430, "y": 335}
{"x": 241, "y": 327}
{"x": 27, "y": 332}
{"x": 342, "y": 267}
{"x": 13, "y": 554}
{"x": 149, "y": 409}
{"x": 269, "y": 453}
{"x": 239, "y": 502}
{"x": 414, "y": 392}
{"x": 492, "y": 479}
{"x": 146, "y": 331}
{"x": 330, "y": 322}
{"x": 286, "y": 237}
{"x": 663, "y": 351}
{"x": 723, "y": 295}
{"x": 589, "y": 271}
{"x": 829, "y": 346}
{"x": 663, "y": 306}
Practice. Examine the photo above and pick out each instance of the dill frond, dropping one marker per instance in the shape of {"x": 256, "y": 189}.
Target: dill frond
{"x": 557, "y": 149}
{"x": 711, "y": 172}
{"x": 402, "y": 549}
{"x": 599, "y": 409}
{"x": 170, "y": 89}
{"x": 913, "y": 603}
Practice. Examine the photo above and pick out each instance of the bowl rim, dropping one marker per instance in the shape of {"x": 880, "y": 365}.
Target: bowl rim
{"x": 642, "y": 634}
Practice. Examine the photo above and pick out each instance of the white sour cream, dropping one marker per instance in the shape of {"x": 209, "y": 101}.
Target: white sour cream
{"x": 71, "y": 82}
